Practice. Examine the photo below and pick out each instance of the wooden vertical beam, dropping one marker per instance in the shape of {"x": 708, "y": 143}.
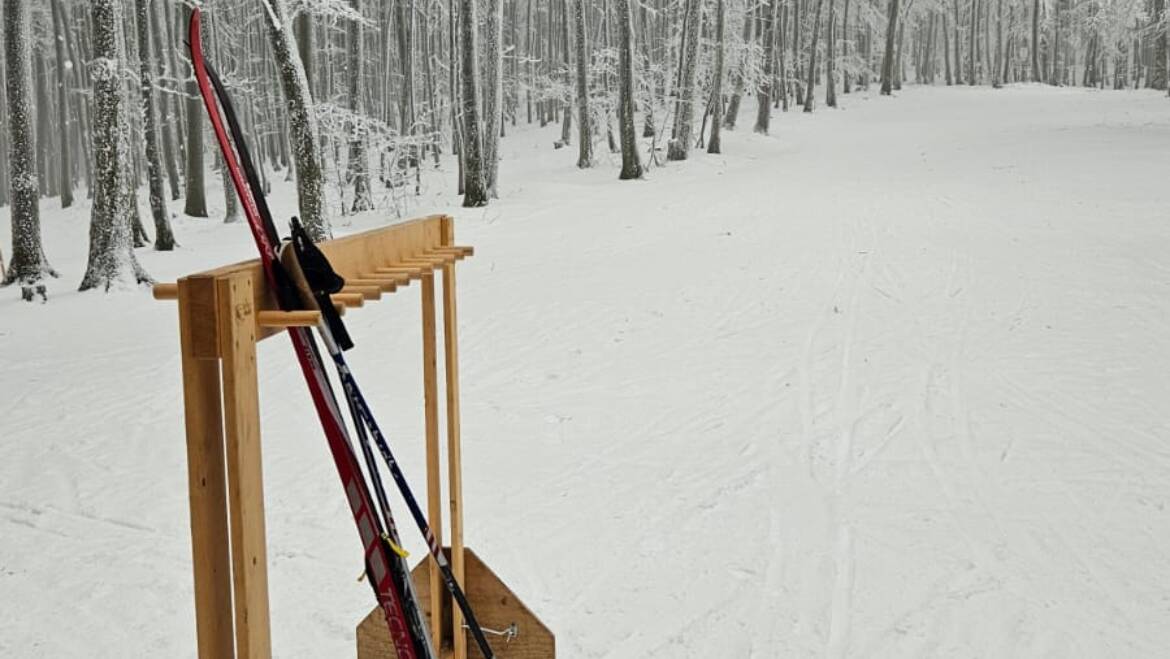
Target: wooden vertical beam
{"x": 237, "y": 344}
{"x": 434, "y": 482}
{"x": 454, "y": 450}
{"x": 206, "y": 487}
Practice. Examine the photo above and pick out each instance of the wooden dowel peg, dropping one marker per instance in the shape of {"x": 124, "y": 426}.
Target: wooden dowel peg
{"x": 367, "y": 292}
{"x": 165, "y": 291}
{"x": 397, "y": 280}
{"x": 288, "y": 318}
{"x": 460, "y": 251}
{"x": 384, "y": 284}
{"x": 349, "y": 299}
{"x": 429, "y": 260}
{"x": 409, "y": 272}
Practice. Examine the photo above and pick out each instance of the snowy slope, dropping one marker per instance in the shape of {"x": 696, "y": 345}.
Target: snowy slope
{"x": 889, "y": 382}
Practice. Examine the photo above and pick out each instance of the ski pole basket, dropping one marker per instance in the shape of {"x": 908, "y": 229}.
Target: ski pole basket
{"x": 223, "y": 314}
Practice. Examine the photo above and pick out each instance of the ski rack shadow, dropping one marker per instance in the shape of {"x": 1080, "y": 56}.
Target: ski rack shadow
{"x": 223, "y": 314}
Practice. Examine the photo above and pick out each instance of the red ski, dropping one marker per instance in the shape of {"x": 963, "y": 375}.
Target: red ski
{"x": 384, "y": 571}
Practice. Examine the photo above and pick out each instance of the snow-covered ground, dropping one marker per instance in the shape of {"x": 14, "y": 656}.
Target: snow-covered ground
{"x": 890, "y": 382}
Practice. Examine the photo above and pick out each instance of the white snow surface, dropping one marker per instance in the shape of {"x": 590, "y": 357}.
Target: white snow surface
{"x": 890, "y": 382}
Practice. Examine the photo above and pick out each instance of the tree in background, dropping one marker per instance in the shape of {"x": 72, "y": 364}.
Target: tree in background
{"x": 302, "y": 122}
{"x": 714, "y": 145}
{"x": 680, "y": 147}
{"x": 810, "y": 86}
{"x": 474, "y": 183}
{"x": 111, "y": 248}
{"x": 195, "y": 198}
{"x": 631, "y": 162}
{"x": 64, "y": 77}
{"x": 493, "y": 84}
{"x": 888, "y": 58}
{"x": 164, "y": 238}
{"x": 359, "y": 165}
{"x": 584, "y": 122}
{"x": 764, "y": 93}
{"x": 28, "y": 265}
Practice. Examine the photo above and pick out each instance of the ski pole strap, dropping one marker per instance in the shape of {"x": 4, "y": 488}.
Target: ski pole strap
{"x": 323, "y": 280}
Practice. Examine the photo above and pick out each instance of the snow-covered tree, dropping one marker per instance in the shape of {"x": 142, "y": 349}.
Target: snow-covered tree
{"x": 195, "y": 197}
{"x": 731, "y": 115}
{"x": 493, "y": 82}
{"x": 714, "y": 145}
{"x": 474, "y": 183}
{"x": 111, "y": 249}
{"x": 680, "y": 146}
{"x": 584, "y": 121}
{"x": 358, "y": 158}
{"x": 888, "y": 58}
{"x": 831, "y": 57}
{"x": 302, "y": 122}
{"x": 164, "y": 238}
{"x": 631, "y": 162}
{"x": 764, "y": 92}
{"x": 28, "y": 265}
{"x": 64, "y": 77}
{"x": 810, "y": 83}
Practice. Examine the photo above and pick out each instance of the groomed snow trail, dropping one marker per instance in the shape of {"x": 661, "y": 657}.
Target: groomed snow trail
{"x": 890, "y": 382}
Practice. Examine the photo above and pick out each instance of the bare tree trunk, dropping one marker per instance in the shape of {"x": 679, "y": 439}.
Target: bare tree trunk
{"x": 567, "y": 124}
{"x": 170, "y": 149}
{"x": 1157, "y": 77}
{"x": 195, "y": 203}
{"x": 359, "y": 166}
{"x": 64, "y": 74}
{"x": 714, "y": 145}
{"x": 680, "y": 147}
{"x": 732, "y": 114}
{"x": 584, "y": 121}
{"x": 958, "y": 44}
{"x": 475, "y": 190}
{"x": 764, "y": 94}
{"x": 302, "y": 123}
{"x": 44, "y": 134}
{"x": 947, "y": 47}
{"x": 4, "y": 161}
{"x": 846, "y": 85}
{"x": 995, "y": 74}
{"x": 493, "y": 83}
{"x": 164, "y": 238}
{"x": 812, "y": 59}
{"x": 1035, "y": 45}
{"x": 28, "y": 265}
{"x": 830, "y": 57}
{"x": 888, "y": 58}
{"x": 631, "y": 162}
{"x": 971, "y": 60}
{"x": 111, "y": 254}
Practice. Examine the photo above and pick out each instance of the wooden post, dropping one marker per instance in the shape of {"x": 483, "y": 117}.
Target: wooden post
{"x": 206, "y": 487}
{"x": 434, "y": 483}
{"x": 237, "y": 344}
{"x": 454, "y": 450}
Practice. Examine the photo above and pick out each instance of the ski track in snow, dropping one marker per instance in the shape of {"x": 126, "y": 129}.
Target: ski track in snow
{"x": 889, "y": 382}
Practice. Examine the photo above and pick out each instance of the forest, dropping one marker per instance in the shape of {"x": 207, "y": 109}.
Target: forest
{"x": 355, "y": 100}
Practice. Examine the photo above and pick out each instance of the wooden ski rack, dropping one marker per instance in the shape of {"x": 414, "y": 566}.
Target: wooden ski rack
{"x": 223, "y": 313}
